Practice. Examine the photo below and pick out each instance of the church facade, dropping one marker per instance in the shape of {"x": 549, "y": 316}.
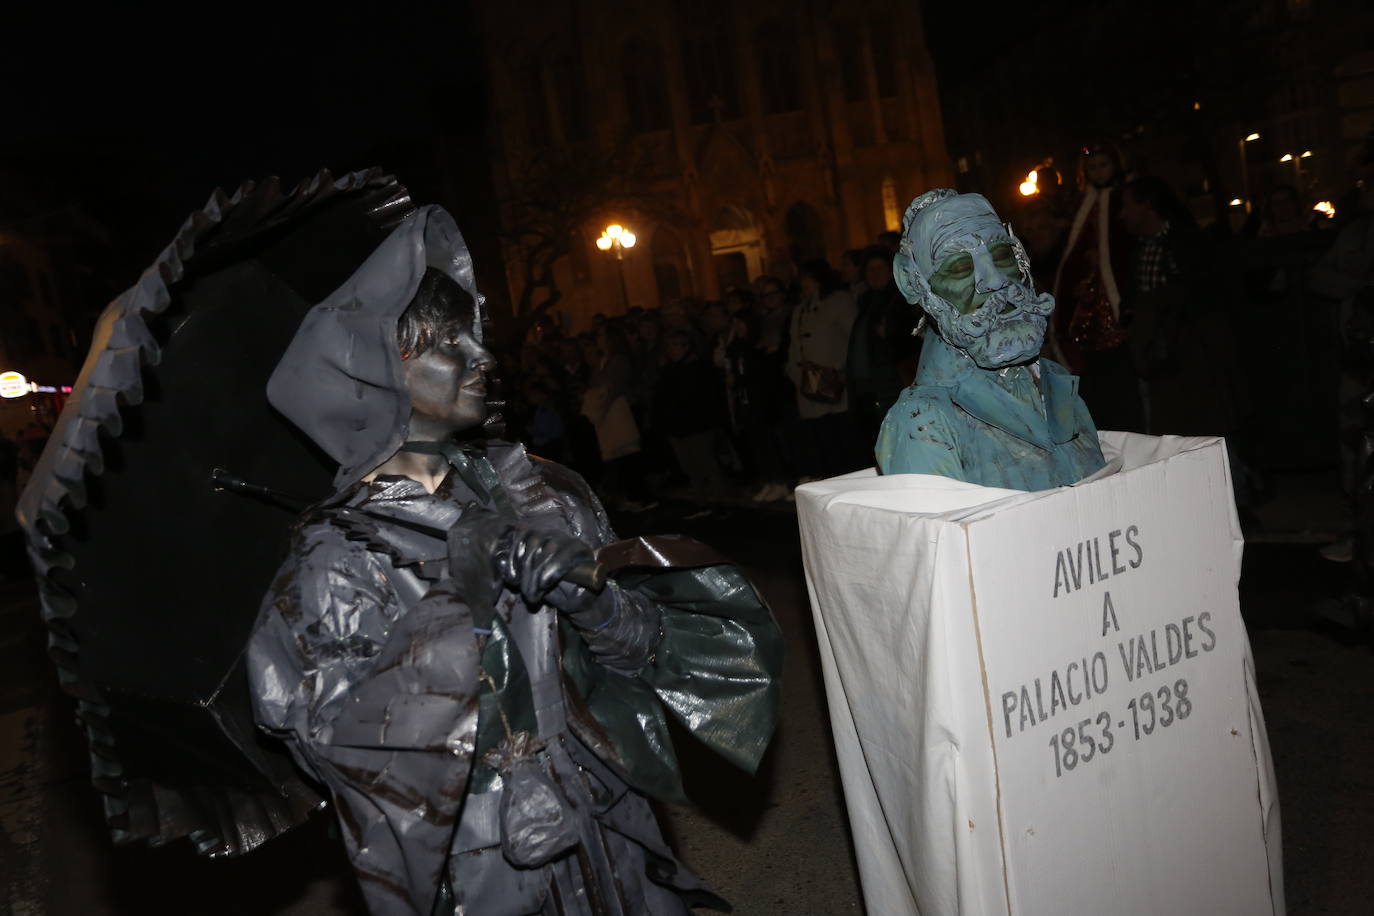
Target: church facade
{"x": 734, "y": 139}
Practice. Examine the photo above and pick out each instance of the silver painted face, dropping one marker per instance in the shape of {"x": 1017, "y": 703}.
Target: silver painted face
{"x": 448, "y": 383}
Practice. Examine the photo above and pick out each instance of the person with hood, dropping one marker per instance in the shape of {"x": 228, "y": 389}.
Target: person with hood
{"x": 437, "y": 649}
{"x": 984, "y": 408}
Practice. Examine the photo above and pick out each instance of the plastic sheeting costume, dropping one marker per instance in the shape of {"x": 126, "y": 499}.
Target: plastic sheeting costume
{"x": 984, "y": 408}
{"x": 487, "y": 727}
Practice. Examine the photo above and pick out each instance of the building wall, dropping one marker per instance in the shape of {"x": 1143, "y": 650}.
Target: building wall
{"x": 759, "y": 131}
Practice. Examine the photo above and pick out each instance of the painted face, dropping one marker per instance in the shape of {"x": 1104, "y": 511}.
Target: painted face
{"x": 974, "y": 269}
{"x": 1000, "y": 321}
{"x": 448, "y": 384}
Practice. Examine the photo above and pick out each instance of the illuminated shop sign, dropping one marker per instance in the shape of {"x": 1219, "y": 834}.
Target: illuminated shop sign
{"x": 14, "y": 385}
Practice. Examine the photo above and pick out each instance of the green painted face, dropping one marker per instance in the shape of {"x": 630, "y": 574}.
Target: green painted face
{"x": 968, "y": 274}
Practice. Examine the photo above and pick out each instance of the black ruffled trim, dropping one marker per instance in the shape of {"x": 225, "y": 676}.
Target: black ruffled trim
{"x": 219, "y": 821}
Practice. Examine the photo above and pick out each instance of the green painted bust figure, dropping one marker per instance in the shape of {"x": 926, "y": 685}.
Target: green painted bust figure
{"x": 985, "y": 408}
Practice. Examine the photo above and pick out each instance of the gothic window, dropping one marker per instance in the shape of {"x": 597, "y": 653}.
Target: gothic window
{"x": 880, "y": 41}
{"x": 849, "y": 52}
{"x": 533, "y": 101}
{"x": 892, "y": 216}
{"x": 646, "y": 88}
{"x": 708, "y": 62}
{"x": 569, "y": 82}
{"x": 775, "y": 54}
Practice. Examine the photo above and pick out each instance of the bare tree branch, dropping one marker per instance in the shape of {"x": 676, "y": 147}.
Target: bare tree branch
{"x": 555, "y": 191}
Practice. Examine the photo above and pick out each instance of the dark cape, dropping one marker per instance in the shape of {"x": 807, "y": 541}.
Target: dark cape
{"x": 445, "y": 716}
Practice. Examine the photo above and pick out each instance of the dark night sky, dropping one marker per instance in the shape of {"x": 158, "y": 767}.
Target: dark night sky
{"x": 136, "y": 120}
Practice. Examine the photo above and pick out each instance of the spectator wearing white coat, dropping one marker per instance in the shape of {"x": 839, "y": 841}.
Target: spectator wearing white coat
{"x": 822, "y": 442}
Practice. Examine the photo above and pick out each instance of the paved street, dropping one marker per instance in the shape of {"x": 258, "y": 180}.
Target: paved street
{"x": 773, "y": 844}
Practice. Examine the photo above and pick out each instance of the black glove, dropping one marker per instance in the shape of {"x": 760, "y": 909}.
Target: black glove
{"x": 621, "y": 628}
{"x": 536, "y": 563}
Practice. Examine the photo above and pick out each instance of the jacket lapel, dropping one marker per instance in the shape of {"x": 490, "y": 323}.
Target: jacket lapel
{"x": 979, "y": 395}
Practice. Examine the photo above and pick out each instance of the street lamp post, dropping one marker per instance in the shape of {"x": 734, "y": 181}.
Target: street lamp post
{"x": 1245, "y": 168}
{"x": 616, "y": 236}
{"x": 1296, "y": 159}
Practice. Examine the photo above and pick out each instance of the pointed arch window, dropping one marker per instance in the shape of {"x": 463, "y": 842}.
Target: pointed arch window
{"x": 569, "y": 81}
{"x": 892, "y": 216}
{"x": 646, "y": 87}
{"x": 533, "y": 102}
{"x": 849, "y": 51}
{"x": 708, "y": 63}
{"x": 776, "y": 58}
{"x": 881, "y": 43}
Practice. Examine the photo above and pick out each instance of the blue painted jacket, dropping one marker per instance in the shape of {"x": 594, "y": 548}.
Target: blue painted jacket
{"x": 989, "y": 427}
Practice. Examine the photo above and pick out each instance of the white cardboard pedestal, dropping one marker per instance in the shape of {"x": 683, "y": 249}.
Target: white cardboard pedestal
{"x": 1044, "y": 703}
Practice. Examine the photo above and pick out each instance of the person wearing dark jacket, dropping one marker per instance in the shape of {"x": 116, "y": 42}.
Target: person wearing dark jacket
{"x": 689, "y": 409}
{"x": 438, "y": 650}
{"x": 882, "y": 350}
{"x": 1181, "y": 337}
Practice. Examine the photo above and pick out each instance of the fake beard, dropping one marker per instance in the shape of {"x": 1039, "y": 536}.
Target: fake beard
{"x": 993, "y": 339}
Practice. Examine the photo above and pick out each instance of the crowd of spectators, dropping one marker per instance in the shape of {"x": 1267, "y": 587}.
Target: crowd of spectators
{"x": 775, "y": 384}
{"x": 1170, "y": 325}
{"x": 1249, "y": 326}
